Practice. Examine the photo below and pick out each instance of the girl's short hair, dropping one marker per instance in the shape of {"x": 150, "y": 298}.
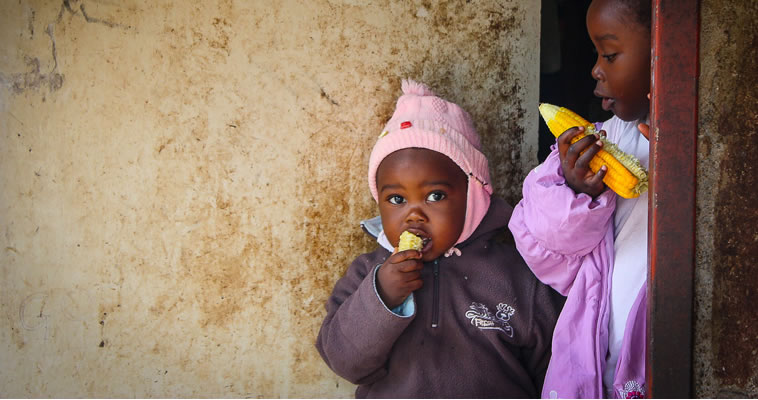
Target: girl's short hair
{"x": 641, "y": 10}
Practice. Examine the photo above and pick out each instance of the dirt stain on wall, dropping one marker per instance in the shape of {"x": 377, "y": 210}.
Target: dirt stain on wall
{"x": 736, "y": 235}
{"x": 726, "y": 359}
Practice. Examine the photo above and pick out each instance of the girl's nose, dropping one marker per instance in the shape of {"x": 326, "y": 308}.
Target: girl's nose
{"x": 597, "y": 73}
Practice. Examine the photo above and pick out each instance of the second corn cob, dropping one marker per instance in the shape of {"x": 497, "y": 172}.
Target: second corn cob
{"x": 409, "y": 241}
{"x": 625, "y": 175}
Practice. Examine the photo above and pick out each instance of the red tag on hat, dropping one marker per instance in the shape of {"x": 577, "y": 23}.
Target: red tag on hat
{"x": 405, "y": 125}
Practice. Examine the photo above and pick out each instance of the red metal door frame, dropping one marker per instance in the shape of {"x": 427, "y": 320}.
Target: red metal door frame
{"x": 671, "y": 228}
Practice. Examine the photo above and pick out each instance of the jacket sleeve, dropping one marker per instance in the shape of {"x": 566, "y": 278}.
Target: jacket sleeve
{"x": 554, "y": 228}
{"x": 359, "y": 331}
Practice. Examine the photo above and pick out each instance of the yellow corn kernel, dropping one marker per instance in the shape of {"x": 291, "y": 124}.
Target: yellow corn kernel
{"x": 409, "y": 241}
{"x": 625, "y": 176}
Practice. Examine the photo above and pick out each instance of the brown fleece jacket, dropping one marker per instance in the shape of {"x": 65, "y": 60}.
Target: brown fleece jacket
{"x": 482, "y": 325}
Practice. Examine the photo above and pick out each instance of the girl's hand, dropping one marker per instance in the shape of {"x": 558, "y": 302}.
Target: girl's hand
{"x": 645, "y": 129}
{"x": 399, "y": 276}
{"x": 575, "y": 162}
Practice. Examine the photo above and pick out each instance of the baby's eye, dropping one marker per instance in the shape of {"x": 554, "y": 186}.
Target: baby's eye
{"x": 610, "y": 57}
{"x": 435, "y": 196}
{"x": 396, "y": 199}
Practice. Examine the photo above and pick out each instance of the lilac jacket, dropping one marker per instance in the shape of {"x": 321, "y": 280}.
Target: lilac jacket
{"x": 567, "y": 241}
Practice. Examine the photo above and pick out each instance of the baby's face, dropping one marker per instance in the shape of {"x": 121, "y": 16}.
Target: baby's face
{"x": 424, "y": 192}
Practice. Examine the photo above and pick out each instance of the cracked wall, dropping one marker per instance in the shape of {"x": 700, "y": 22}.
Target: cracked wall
{"x": 174, "y": 176}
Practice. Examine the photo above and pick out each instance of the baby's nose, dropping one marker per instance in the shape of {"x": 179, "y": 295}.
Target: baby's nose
{"x": 416, "y": 215}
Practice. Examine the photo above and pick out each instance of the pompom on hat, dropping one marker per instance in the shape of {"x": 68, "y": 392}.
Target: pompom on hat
{"x": 424, "y": 120}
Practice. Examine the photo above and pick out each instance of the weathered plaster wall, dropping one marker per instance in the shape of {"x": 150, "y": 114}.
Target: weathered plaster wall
{"x": 726, "y": 276}
{"x": 174, "y": 175}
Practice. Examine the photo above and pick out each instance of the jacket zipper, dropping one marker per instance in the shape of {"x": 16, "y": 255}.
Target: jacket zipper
{"x": 436, "y": 294}
{"x": 602, "y": 307}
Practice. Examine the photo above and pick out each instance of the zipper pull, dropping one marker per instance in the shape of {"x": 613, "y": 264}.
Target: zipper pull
{"x": 436, "y": 295}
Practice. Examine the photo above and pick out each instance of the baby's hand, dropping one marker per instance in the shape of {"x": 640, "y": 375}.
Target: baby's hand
{"x": 399, "y": 276}
{"x": 576, "y": 165}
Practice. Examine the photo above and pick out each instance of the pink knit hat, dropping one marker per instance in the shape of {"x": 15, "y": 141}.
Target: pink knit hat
{"x": 423, "y": 120}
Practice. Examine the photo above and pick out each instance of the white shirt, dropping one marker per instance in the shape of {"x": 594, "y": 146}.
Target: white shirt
{"x": 630, "y": 246}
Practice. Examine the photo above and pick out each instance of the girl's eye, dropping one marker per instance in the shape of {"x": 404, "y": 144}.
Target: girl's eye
{"x": 435, "y": 196}
{"x": 396, "y": 199}
{"x": 610, "y": 57}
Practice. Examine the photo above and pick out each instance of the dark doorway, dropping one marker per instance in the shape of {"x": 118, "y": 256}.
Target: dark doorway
{"x": 566, "y": 60}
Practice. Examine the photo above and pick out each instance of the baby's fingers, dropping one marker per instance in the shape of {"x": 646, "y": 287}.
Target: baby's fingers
{"x": 410, "y": 266}
{"x": 400, "y": 256}
{"x": 414, "y": 285}
{"x": 411, "y": 276}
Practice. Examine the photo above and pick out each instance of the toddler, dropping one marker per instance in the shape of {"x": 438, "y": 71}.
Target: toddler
{"x": 584, "y": 240}
{"x": 462, "y": 317}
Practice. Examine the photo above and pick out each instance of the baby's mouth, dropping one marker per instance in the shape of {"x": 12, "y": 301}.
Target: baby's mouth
{"x": 426, "y": 244}
{"x": 426, "y": 241}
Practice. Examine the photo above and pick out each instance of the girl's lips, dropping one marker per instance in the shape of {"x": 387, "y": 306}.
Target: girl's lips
{"x": 608, "y": 103}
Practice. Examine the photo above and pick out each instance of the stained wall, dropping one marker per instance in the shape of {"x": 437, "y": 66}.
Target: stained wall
{"x": 182, "y": 181}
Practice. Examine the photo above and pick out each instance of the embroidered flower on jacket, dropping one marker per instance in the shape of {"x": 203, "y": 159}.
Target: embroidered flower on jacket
{"x": 632, "y": 390}
{"x": 482, "y": 318}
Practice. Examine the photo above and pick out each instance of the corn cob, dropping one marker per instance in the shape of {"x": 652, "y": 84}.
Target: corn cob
{"x": 625, "y": 176}
{"x": 409, "y": 241}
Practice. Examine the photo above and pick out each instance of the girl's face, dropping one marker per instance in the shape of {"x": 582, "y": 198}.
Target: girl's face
{"x": 424, "y": 192}
{"x": 622, "y": 69}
